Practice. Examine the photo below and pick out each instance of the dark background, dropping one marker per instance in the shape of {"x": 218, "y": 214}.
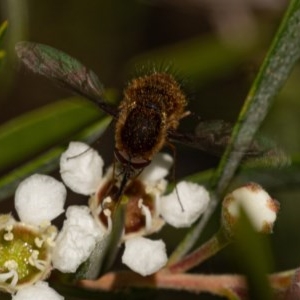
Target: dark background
{"x": 116, "y": 37}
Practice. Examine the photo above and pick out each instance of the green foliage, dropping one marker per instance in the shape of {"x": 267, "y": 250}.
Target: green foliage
{"x": 48, "y": 161}
{"x": 281, "y": 58}
{"x": 3, "y": 28}
{"x": 39, "y": 129}
{"x": 253, "y": 253}
{"x": 277, "y": 66}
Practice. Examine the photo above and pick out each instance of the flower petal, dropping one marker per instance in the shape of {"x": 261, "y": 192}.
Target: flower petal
{"x": 38, "y": 291}
{"x": 76, "y": 240}
{"x": 81, "y": 168}
{"x": 144, "y": 256}
{"x": 158, "y": 169}
{"x": 185, "y": 210}
{"x": 39, "y": 198}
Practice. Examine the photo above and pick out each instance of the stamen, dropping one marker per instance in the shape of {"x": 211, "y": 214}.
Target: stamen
{"x": 106, "y": 201}
{"x": 107, "y": 213}
{"x": 9, "y": 227}
{"x": 11, "y": 265}
{"x": 146, "y": 212}
{"x": 51, "y": 235}
{"x": 34, "y": 261}
{"x": 9, "y": 236}
{"x": 101, "y": 207}
{"x": 39, "y": 242}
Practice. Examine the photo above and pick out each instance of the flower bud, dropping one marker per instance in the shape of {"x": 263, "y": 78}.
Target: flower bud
{"x": 260, "y": 208}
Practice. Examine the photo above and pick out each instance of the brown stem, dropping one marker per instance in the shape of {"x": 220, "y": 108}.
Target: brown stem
{"x": 287, "y": 284}
{"x": 208, "y": 249}
{"x": 220, "y": 285}
{"x": 214, "y": 284}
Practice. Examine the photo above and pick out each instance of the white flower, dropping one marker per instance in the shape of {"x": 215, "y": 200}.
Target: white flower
{"x": 184, "y": 208}
{"x": 81, "y": 168}
{"x": 39, "y": 199}
{"x": 76, "y": 240}
{"x": 143, "y": 192}
{"x": 144, "y": 256}
{"x": 257, "y": 203}
{"x": 38, "y": 291}
{"x": 25, "y": 253}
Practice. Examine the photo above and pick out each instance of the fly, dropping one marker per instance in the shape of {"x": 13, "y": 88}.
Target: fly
{"x": 147, "y": 117}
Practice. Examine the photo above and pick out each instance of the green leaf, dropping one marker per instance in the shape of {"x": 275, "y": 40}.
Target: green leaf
{"x": 254, "y": 255}
{"x": 3, "y": 28}
{"x": 280, "y": 59}
{"x": 104, "y": 254}
{"x": 48, "y": 161}
{"x": 118, "y": 220}
{"x": 24, "y": 137}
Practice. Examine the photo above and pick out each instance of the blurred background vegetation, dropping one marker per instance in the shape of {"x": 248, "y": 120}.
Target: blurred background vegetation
{"x": 215, "y": 48}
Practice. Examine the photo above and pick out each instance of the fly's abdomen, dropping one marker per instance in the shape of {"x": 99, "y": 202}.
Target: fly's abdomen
{"x": 142, "y": 134}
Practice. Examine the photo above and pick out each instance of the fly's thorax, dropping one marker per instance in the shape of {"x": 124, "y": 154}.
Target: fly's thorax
{"x": 158, "y": 91}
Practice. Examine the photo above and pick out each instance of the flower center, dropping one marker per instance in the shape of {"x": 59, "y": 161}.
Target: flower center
{"x": 139, "y": 208}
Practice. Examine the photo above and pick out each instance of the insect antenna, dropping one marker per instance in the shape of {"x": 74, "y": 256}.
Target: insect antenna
{"x": 173, "y": 148}
{"x": 79, "y": 154}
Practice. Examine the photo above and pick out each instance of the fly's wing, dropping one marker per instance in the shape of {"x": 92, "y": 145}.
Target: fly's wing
{"x": 65, "y": 71}
{"x": 214, "y": 136}
{"x": 208, "y": 137}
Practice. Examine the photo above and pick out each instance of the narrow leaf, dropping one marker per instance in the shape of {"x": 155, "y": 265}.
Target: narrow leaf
{"x": 282, "y": 56}
{"x": 3, "y": 28}
{"x": 254, "y": 255}
{"x": 40, "y": 129}
{"x": 48, "y": 161}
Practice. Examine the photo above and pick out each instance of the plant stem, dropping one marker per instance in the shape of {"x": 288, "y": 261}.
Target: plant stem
{"x": 214, "y": 284}
{"x": 230, "y": 286}
{"x": 217, "y": 242}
